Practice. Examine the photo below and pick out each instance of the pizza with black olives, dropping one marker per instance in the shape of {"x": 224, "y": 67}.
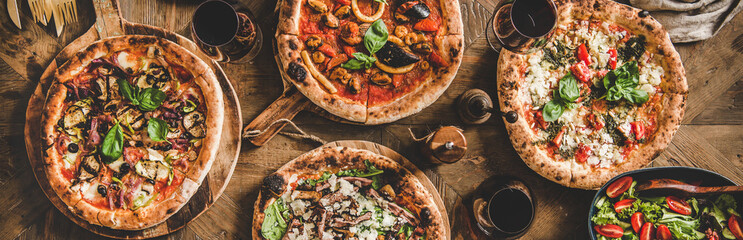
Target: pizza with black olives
{"x": 130, "y": 129}
{"x": 370, "y": 61}
{"x": 603, "y": 96}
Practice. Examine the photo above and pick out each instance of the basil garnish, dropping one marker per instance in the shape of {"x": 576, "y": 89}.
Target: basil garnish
{"x": 360, "y": 61}
{"x": 621, "y": 82}
{"x": 552, "y": 111}
{"x": 148, "y": 99}
{"x": 376, "y": 36}
{"x": 157, "y": 129}
{"x": 374, "y": 39}
{"x": 274, "y": 223}
{"x": 567, "y": 92}
{"x": 113, "y": 144}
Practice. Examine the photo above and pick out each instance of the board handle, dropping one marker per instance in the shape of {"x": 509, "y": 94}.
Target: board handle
{"x": 109, "y": 22}
{"x": 267, "y": 123}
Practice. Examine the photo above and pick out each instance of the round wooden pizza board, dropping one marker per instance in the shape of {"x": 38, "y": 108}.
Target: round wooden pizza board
{"x": 109, "y": 24}
{"x": 387, "y": 152}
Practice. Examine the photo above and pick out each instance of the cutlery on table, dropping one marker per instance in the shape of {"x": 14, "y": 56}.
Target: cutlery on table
{"x": 13, "y": 12}
{"x": 666, "y": 187}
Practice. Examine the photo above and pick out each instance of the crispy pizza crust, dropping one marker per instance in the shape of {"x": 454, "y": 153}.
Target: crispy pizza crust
{"x": 450, "y": 43}
{"x": 335, "y": 158}
{"x": 156, "y": 212}
{"x": 674, "y": 86}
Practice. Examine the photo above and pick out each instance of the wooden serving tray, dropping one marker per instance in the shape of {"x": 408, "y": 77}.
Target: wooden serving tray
{"x": 109, "y": 23}
{"x": 387, "y": 152}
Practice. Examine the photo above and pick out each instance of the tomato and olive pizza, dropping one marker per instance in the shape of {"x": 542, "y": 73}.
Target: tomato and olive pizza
{"x": 345, "y": 193}
{"x": 604, "y": 94}
{"x": 370, "y": 61}
{"x": 130, "y": 129}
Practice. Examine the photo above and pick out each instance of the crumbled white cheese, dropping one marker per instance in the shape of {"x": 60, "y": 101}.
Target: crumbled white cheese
{"x": 346, "y": 187}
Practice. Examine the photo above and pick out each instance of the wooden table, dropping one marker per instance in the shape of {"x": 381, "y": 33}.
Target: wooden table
{"x": 710, "y": 137}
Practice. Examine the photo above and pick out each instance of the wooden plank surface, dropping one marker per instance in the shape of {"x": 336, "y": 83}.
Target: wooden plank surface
{"x": 710, "y": 137}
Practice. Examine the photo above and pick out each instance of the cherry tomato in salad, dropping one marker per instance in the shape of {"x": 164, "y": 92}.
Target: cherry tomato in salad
{"x": 624, "y": 204}
{"x": 619, "y": 186}
{"x": 609, "y": 230}
{"x": 583, "y": 54}
{"x": 663, "y": 233}
{"x": 734, "y": 224}
{"x": 646, "y": 233}
{"x": 678, "y": 205}
{"x": 637, "y": 220}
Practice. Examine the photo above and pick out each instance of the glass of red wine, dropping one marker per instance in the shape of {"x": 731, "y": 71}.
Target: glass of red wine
{"x": 503, "y": 207}
{"x": 226, "y": 32}
{"x": 521, "y": 26}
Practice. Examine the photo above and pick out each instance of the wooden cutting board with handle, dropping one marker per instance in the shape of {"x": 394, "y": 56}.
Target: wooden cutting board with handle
{"x": 109, "y": 23}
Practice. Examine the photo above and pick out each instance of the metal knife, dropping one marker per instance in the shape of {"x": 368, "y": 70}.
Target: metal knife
{"x": 13, "y": 12}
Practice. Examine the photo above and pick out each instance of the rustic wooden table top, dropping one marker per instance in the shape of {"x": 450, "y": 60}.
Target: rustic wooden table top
{"x": 710, "y": 137}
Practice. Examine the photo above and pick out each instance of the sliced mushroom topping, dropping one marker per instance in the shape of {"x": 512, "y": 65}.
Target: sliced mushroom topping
{"x": 111, "y": 106}
{"x": 313, "y": 42}
{"x": 75, "y": 115}
{"x": 89, "y": 168}
{"x": 148, "y": 187}
{"x": 330, "y": 20}
{"x": 113, "y": 88}
{"x": 100, "y": 88}
{"x": 306, "y": 195}
{"x": 131, "y": 116}
{"x": 194, "y": 124}
{"x": 174, "y": 133}
{"x": 381, "y": 78}
{"x": 118, "y": 165}
{"x": 318, "y": 6}
{"x": 151, "y": 169}
{"x": 387, "y": 191}
{"x": 343, "y": 12}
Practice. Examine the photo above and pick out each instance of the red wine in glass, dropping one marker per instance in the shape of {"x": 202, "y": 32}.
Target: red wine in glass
{"x": 521, "y": 25}
{"x": 226, "y": 32}
{"x": 503, "y": 207}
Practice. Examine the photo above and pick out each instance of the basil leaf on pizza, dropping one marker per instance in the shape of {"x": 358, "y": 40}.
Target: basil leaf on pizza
{"x": 636, "y": 96}
{"x": 552, "y": 111}
{"x": 150, "y": 99}
{"x": 568, "y": 89}
{"x": 360, "y": 61}
{"x": 128, "y": 91}
{"x": 113, "y": 144}
{"x": 621, "y": 82}
{"x": 157, "y": 129}
{"x": 376, "y": 36}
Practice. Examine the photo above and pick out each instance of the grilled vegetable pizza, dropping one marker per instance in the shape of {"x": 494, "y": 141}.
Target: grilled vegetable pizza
{"x": 345, "y": 193}
{"x": 603, "y": 96}
{"x": 130, "y": 129}
{"x": 370, "y": 61}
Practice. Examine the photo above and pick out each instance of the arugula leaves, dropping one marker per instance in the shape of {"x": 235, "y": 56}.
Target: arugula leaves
{"x": 407, "y": 229}
{"x": 567, "y": 93}
{"x": 157, "y": 129}
{"x": 274, "y": 224}
{"x": 147, "y": 99}
{"x": 620, "y": 84}
{"x": 374, "y": 39}
{"x": 325, "y": 176}
{"x": 113, "y": 144}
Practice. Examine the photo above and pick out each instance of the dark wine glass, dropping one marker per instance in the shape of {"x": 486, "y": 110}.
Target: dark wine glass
{"x": 226, "y": 32}
{"x": 521, "y": 26}
{"x": 503, "y": 207}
